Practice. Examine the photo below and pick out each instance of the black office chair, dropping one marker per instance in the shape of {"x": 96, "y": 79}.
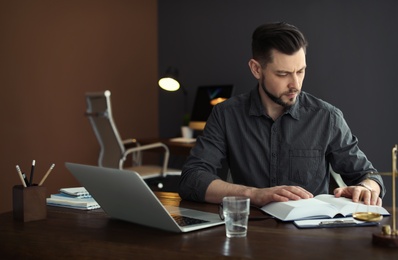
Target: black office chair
{"x": 113, "y": 151}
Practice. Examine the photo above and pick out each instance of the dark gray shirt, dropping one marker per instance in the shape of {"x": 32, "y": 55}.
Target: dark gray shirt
{"x": 296, "y": 149}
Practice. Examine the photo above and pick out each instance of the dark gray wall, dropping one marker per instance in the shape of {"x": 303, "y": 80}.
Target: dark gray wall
{"x": 352, "y": 58}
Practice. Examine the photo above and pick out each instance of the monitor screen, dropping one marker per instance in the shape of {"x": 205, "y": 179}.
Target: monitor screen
{"x": 205, "y": 99}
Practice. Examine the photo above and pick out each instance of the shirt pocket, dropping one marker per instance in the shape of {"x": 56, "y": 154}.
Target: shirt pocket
{"x": 304, "y": 165}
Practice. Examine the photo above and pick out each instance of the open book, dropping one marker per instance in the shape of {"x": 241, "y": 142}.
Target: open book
{"x": 321, "y": 206}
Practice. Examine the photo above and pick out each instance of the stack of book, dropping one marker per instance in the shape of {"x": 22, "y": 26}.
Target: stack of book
{"x": 77, "y": 198}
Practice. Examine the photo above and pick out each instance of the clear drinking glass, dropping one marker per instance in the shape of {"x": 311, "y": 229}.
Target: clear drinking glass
{"x": 236, "y": 212}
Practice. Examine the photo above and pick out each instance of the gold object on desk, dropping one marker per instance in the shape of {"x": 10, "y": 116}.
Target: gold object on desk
{"x": 368, "y": 216}
{"x": 389, "y": 235}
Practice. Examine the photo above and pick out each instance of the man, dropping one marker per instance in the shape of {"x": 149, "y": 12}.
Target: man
{"x": 277, "y": 140}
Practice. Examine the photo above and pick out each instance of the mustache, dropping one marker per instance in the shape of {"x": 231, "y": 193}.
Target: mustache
{"x": 291, "y": 91}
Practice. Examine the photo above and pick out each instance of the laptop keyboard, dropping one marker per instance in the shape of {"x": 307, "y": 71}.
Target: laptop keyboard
{"x": 187, "y": 221}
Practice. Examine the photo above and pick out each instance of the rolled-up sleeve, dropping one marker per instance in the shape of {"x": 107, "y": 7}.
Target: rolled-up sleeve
{"x": 204, "y": 162}
{"x": 346, "y": 158}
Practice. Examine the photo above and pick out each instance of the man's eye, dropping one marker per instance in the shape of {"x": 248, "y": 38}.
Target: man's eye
{"x": 282, "y": 74}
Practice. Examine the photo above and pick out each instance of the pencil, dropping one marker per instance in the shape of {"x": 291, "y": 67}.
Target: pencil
{"x": 20, "y": 175}
{"x": 48, "y": 173}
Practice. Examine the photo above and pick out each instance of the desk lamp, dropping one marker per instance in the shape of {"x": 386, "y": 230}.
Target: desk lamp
{"x": 170, "y": 82}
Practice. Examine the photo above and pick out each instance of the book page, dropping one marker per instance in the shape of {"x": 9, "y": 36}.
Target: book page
{"x": 300, "y": 209}
{"x": 347, "y": 207}
{"x": 339, "y": 203}
{"x": 321, "y": 206}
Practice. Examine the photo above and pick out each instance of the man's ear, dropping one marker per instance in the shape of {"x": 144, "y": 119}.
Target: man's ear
{"x": 255, "y": 68}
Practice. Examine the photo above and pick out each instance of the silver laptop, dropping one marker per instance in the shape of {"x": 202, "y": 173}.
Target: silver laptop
{"x": 124, "y": 195}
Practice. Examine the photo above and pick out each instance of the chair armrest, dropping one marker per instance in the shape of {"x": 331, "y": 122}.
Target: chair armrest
{"x": 131, "y": 141}
{"x": 153, "y": 146}
{"x": 136, "y": 156}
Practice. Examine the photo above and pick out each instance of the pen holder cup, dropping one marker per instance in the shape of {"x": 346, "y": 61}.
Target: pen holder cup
{"x": 29, "y": 203}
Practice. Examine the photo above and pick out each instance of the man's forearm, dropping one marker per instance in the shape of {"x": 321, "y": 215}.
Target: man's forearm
{"x": 218, "y": 189}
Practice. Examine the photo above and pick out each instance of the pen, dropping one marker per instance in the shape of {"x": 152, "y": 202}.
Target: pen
{"x": 25, "y": 179}
{"x": 31, "y": 172}
{"x": 20, "y": 176}
{"x": 337, "y": 222}
{"x": 45, "y": 176}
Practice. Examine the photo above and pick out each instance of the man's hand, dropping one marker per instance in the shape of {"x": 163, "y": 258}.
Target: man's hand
{"x": 360, "y": 193}
{"x": 258, "y": 196}
{"x": 263, "y": 196}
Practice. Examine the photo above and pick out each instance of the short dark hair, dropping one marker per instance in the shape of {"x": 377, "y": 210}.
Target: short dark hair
{"x": 281, "y": 36}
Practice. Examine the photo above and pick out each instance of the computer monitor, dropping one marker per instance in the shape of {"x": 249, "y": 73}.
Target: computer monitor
{"x": 205, "y": 99}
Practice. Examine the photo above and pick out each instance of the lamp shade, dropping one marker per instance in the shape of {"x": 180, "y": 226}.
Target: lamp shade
{"x": 169, "y": 81}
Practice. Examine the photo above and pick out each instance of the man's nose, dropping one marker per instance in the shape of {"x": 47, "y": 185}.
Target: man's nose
{"x": 294, "y": 81}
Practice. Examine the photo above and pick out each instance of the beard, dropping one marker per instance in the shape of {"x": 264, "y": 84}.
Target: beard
{"x": 278, "y": 100}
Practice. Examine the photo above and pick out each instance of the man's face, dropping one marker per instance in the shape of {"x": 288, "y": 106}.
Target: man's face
{"x": 282, "y": 79}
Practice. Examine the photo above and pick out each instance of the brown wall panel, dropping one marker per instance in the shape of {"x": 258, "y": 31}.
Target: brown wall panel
{"x": 51, "y": 53}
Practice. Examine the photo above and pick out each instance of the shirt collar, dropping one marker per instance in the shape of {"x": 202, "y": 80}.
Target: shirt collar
{"x": 257, "y": 108}
{"x": 294, "y": 110}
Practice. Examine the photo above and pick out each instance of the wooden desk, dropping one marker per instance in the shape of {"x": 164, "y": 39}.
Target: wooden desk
{"x": 176, "y": 148}
{"x": 68, "y": 233}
